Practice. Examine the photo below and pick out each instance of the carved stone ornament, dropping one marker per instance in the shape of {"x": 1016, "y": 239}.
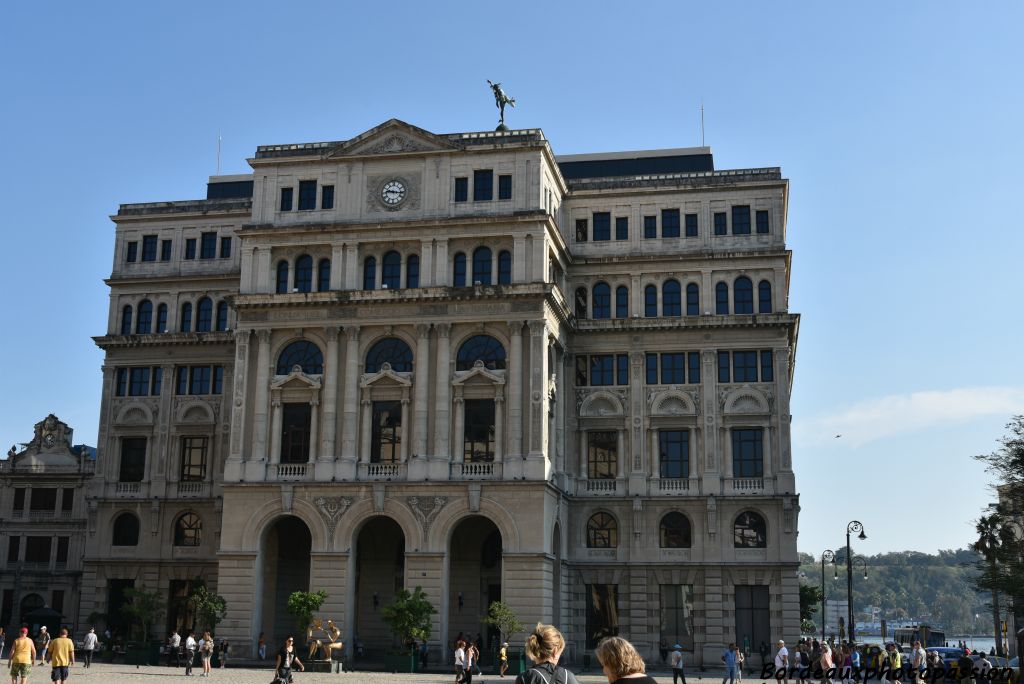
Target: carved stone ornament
{"x": 426, "y": 509}
{"x": 394, "y": 144}
{"x": 332, "y": 508}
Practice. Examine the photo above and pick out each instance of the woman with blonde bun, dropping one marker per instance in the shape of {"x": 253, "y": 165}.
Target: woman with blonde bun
{"x": 544, "y": 647}
{"x": 620, "y": 662}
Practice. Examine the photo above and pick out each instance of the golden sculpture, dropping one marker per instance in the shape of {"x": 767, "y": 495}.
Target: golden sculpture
{"x": 333, "y": 642}
{"x": 314, "y": 644}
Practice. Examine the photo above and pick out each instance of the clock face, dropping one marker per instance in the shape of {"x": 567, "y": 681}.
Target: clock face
{"x": 393, "y": 193}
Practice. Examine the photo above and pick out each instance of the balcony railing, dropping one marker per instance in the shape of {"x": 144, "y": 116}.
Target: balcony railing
{"x": 381, "y": 471}
{"x": 673, "y": 485}
{"x": 192, "y": 488}
{"x": 475, "y": 471}
{"x": 603, "y": 486}
{"x": 128, "y": 488}
{"x": 291, "y": 471}
{"x": 746, "y": 485}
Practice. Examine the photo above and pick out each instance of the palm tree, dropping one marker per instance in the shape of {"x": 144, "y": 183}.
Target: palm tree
{"x": 988, "y": 546}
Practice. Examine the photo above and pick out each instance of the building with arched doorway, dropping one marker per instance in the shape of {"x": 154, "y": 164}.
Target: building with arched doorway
{"x": 462, "y": 363}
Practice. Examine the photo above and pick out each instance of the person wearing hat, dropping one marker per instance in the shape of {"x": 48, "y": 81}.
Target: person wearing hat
{"x": 21, "y": 657}
{"x": 44, "y": 643}
{"x": 503, "y": 657}
{"x": 675, "y": 661}
{"x": 782, "y": 659}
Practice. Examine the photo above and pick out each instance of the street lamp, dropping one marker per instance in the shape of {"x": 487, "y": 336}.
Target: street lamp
{"x": 828, "y": 556}
{"x": 852, "y": 526}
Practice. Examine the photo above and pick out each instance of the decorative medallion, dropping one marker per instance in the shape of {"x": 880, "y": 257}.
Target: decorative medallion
{"x": 426, "y": 508}
{"x": 331, "y": 509}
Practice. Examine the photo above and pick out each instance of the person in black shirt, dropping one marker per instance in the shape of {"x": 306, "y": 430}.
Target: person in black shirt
{"x": 620, "y": 662}
{"x": 286, "y": 658}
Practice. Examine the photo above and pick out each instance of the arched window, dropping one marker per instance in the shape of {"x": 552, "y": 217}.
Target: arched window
{"x": 504, "y": 267}
{"x": 721, "y": 299}
{"x": 185, "y": 324}
{"x": 389, "y": 350}
{"x": 161, "y": 318}
{"x": 369, "y": 273}
{"x": 749, "y": 531}
{"x": 188, "y": 530}
{"x": 675, "y": 531}
{"x": 459, "y": 270}
{"x": 144, "y": 321}
{"x": 222, "y": 316}
{"x": 480, "y": 348}
{"x": 126, "y": 320}
{"x": 282, "y": 277}
{"x": 743, "y": 296}
{"x": 304, "y": 273}
{"x": 204, "y": 315}
{"x": 126, "y": 530}
{"x": 412, "y": 271}
{"x": 692, "y": 300}
{"x": 602, "y": 300}
{"x": 622, "y": 302}
{"x": 301, "y": 353}
{"x": 651, "y": 301}
{"x": 671, "y": 302}
{"x": 391, "y": 270}
{"x": 602, "y": 532}
{"x": 323, "y": 275}
{"x": 764, "y": 297}
{"x": 482, "y": 266}
{"x": 580, "y": 305}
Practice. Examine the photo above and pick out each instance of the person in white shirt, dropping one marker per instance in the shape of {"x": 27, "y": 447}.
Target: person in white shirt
{"x": 89, "y": 645}
{"x": 919, "y": 660}
{"x": 174, "y": 649}
{"x": 190, "y": 653}
{"x": 782, "y": 659}
{"x": 675, "y": 661}
{"x": 460, "y": 660}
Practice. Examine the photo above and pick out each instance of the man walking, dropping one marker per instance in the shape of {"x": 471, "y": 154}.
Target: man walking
{"x": 44, "y": 643}
{"x": 21, "y": 657}
{"x": 174, "y": 649}
{"x": 782, "y": 660}
{"x": 89, "y": 645}
{"x": 190, "y": 653}
{"x": 730, "y": 660}
{"x": 675, "y": 661}
{"x": 62, "y": 657}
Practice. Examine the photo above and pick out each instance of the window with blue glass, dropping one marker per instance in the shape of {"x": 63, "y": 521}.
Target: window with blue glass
{"x": 650, "y": 301}
{"x": 651, "y": 368}
{"x": 741, "y": 220}
{"x": 412, "y": 271}
{"x": 767, "y": 366}
{"x": 199, "y": 380}
{"x": 282, "y": 277}
{"x": 461, "y": 189}
{"x": 691, "y": 225}
{"x": 743, "y": 296}
{"x": 483, "y": 185}
{"x": 131, "y": 252}
{"x": 602, "y": 300}
{"x": 674, "y": 453}
{"x": 323, "y": 275}
{"x": 370, "y": 273}
{"x": 669, "y": 223}
{"x": 185, "y": 323}
{"x": 149, "y": 247}
{"x": 580, "y": 303}
{"x": 721, "y": 299}
{"x": 504, "y": 187}
{"x": 693, "y": 376}
{"x": 208, "y": 246}
{"x": 650, "y": 227}
{"x": 166, "y": 248}
{"x": 582, "y": 230}
{"x": 190, "y": 249}
{"x": 602, "y": 226}
{"x": 144, "y": 321}
{"x": 673, "y": 368}
{"x": 744, "y": 366}
{"x": 307, "y": 195}
{"x": 602, "y": 370}
{"x": 304, "y": 273}
{"x": 301, "y": 353}
{"x": 748, "y": 452}
{"x": 286, "y": 199}
{"x": 482, "y": 266}
{"x": 222, "y": 316}
{"x": 622, "y": 369}
{"x": 139, "y": 382}
{"x": 483, "y": 348}
{"x": 764, "y": 297}
{"x": 126, "y": 320}
{"x": 459, "y": 270}
{"x": 204, "y": 315}
{"x": 721, "y": 227}
{"x": 504, "y": 267}
{"x": 724, "y": 361}
{"x": 225, "y": 247}
{"x": 161, "y": 318}
{"x": 762, "y": 222}
{"x": 390, "y": 350}
{"x": 622, "y": 302}
{"x": 121, "y": 386}
{"x": 327, "y": 197}
{"x": 671, "y": 299}
{"x": 391, "y": 270}
{"x": 621, "y": 227}
{"x": 692, "y": 300}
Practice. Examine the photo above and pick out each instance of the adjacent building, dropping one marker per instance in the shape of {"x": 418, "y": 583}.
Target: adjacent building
{"x": 459, "y": 362}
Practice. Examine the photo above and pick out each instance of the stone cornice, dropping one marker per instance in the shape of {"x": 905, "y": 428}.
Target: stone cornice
{"x": 164, "y": 339}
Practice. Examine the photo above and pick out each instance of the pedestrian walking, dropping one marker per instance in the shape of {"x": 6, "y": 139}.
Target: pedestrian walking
{"x": 801, "y": 661}
{"x": 424, "y": 655}
{"x": 894, "y": 662}
{"x": 918, "y": 661}
{"x": 174, "y": 649}
{"x": 827, "y": 663}
{"x": 503, "y": 659}
{"x": 224, "y": 648}
{"x": 44, "y": 644}
{"x": 729, "y": 659}
{"x": 286, "y": 659}
{"x": 621, "y": 662}
{"x": 206, "y": 647}
{"x": 471, "y": 655}
{"x": 675, "y": 661}
{"x": 89, "y": 645}
{"x": 62, "y": 657}
{"x": 964, "y": 665}
{"x": 782, "y": 660}
{"x": 3, "y": 639}
{"x": 544, "y": 647}
{"x": 460, "y": 660}
{"x": 663, "y": 649}
{"x": 261, "y": 646}
{"x": 21, "y": 657}
{"x": 190, "y": 652}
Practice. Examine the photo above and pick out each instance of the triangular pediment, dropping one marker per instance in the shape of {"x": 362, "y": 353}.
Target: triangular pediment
{"x": 478, "y": 375}
{"x": 390, "y": 138}
{"x": 295, "y": 380}
{"x": 387, "y": 378}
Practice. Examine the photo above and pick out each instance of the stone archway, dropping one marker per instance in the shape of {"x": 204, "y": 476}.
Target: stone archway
{"x": 474, "y": 579}
{"x": 380, "y": 575}
{"x": 285, "y": 553}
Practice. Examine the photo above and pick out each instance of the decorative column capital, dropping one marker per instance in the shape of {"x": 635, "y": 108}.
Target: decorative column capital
{"x": 263, "y": 335}
{"x": 515, "y": 327}
{"x": 242, "y": 335}
{"x": 537, "y": 327}
{"x": 443, "y": 329}
{"x": 351, "y": 332}
{"x": 332, "y": 333}
{"x": 423, "y": 330}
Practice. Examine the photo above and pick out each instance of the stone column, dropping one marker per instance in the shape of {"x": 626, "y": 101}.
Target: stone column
{"x": 352, "y": 267}
{"x": 421, "y": 408}
{"x": 350, "y": 402}
{"x": 330, "y": 396}
{"x": 261, "y": 401}
{"x": 367, "y": 427}
{"x": 515, "y": 389}
{"x": 710, "y": 473}
{"x": 458, "y": 449}
{"x": 442, "y": 274}
{"x": 442, "y": 389}
{"x": 519, "y": 259}
{"x": 275, "y": 431}
{"x": 426, "y": 263}
{"x": 559, "y": 409}
{"x": 499, "y": 424}
{"x": 784, "y": 461}
{"x": 623, "y": 457}
{"x": 337, "y": 267}
{"x": 405, "y": 428}
{"x": 636, "y": 298}
{"x": 538, "y": 430}
{"x": 314, "y": 428}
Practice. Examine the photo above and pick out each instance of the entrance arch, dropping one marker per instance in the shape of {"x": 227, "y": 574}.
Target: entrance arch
{"x": 285, "y": 552}
{"x": 380, "y": 575}
{"x": 474, "y": 578}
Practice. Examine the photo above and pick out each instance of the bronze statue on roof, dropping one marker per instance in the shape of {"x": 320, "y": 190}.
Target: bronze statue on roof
{"x": 500, "y": 100}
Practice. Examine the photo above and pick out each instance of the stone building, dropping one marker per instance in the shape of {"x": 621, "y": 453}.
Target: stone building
{"x": 42, "y": 526}
{"x": 458, "y": 362}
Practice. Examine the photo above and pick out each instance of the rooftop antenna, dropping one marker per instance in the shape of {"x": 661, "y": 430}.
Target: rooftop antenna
{"x": 702, "y": 122}
{"x": 219, "y": 138}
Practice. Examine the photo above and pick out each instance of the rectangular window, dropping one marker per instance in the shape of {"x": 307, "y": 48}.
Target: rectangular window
{"x": 166, "y": 247}
{"x": 691, "y": 225}
{"x": 13, "y": 549}
{"x": 694, "y": 371}
{"x": 673, "y": 371}
{"x": 121, "y": 388}
{"x": 677, "y": 615}
{"x": 744, "y": 366}
{"x": 44, "y": 499}
{"x": 622, "y": 370}
{"x": 132, "y": 252}
{"x": 327, "y": 197}
{"x": 307, "y": 195}
{"x": 762, "y": 222}
{"x": 720, "y": 223}
{"x": 724, "y": 374}
{"x": 133, "y": 459}
{"x": 504, "y": 187}
{"x": 741, "y": 220}
{"x": 208, "y": 246}
{"x": 601, "y": 370}
{"x": 225, "y": 247}
{"x": 386, "y": 439}
{"x": 149, "y": 247}
{"x": 651, "y": 363}
{"x": 748, "y": 452}
{"x": 67, "y": 499}
{"x": 581, "y": 230}
{"x": 621, "y": 227}
{"x": 461, "y": 189}
{"x": 669, "y": 223}
{"x": 752, "y": 614}
{"x": 650, "y": 227}
{"x": 19, "y": 498}
{"x": 602, "y": 456}
{"x": 218, "y": 380}
{"x": 193, "y": 459}
{"x": 138, "y": 385}
{"x": 483, "y": 185}
{"x": 199, "y": 380}
{"x": 57, "y": 595}
{"x": 62, "y": 557}
{"x": 674, "y": 453}
{"x": 602, "y": 226}
{"x": 581, "y": 370}
{"x": 602, "y": 602}
{"x": 37, "y": 549}
{"x": 190, "y": 248}
{"x": 478, "y": 433}
{"x": 767, "y": 369}
{"x": 295, "y": 426}
{"x": 286, "y": 199}
{"x": 181, "y": 381}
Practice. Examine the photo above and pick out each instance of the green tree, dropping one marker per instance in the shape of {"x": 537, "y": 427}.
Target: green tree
{"x": 304, "y": 605}
{"x": 810, "y": 601}
{"x": 142, "y": 608}
{"x": 504, "y": 619}
{"x": 409, "y": 616}
{"x": 209, "y": 607}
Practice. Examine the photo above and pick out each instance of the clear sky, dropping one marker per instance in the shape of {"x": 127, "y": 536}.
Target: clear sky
{"x": 897, "y": 123}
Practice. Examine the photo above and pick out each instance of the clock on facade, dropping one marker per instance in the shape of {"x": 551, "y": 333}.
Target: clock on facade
{"x": 393, "y": 192}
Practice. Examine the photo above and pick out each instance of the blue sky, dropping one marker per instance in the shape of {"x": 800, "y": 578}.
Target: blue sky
{"x": 898, "y": 125}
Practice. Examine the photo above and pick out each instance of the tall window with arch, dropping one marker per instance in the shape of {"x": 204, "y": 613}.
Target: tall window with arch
{"x": 302, "y": 353}
{"x": 459, "y": 270}
{"x": 764, "y": 297}
{"x": 282, "y": 277}
{"x": 749, "y": 531}
{"x": 126, "y": 530}
{"x": 185, "y": 322}
{"x": 482, "y": 266}
{"x": 671, "y": 303}
{"x": 504, "y": 267}
{"x": 743, "y": 296}
{"x": 721, "y": 299}
{"x": 188, "y": 530}
{"x": 580, "y": 303}
{"x": 602, "y": 300}
{"x": 391, "y": 270}
{"x": 386, "y": 440}
{"x": 144, "y": 322}
{"x": 222, "y": 316}
{"x": 622, "y": 302}
{"x": 692, "y": 300}
{"x": 126, "y": 319}
{"x": 675, "y": 531}
{"x": 602, "y": 455}
{"x": 369, "y": 273}
{"x": 602, "y": 531}
{"x": 651, "y": 301}
{"x": 478, "y": 439}
{"x": 161, "y": 318}
{"x": 304, "y": 273}
{"x": 412, "y": 271}
{"x": 204, "y": 315}
{"x": 390, "y": 350}
{"x": 323, "y": 275}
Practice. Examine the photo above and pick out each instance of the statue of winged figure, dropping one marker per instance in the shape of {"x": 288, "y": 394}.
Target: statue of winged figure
{"x": 500, "y": 100}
